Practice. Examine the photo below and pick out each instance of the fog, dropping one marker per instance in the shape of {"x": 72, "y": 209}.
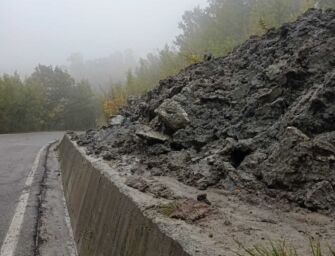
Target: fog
{"x": 49, "y": 31}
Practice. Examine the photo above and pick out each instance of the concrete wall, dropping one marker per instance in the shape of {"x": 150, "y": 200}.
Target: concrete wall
{"x": 106, "y": 221}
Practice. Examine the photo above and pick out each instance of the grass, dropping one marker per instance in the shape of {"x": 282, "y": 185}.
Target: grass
{"x": 167, "y": 209}
{"x": 282, "y": 249}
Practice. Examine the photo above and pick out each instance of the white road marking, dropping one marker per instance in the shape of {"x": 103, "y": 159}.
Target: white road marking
{"x": 10, "y": 242}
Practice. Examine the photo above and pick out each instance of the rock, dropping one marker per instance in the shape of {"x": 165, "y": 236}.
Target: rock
{"x": 320, "y": 196}
{"x": 72, "y": 135}
{"x": 161, "y": 191}
{"x": 295, "y": 132}
{"x": 116, "y": 120}
{"x": 253, "y": 160}
{"x": 190, "y": 210}
{"x": 304, "y": 166}
{"x": 274, "y": 71}
{"x": 203, "y": 198}
{"x": 108, "y": 156}
{"x": 146, "y": 132}
{"x": 172, "y": 114}
{"x": 186, "y": 209}
{"x": 271, "y": 95}
{"x": 137, "y": 183}
{"x": 158, "y": 149}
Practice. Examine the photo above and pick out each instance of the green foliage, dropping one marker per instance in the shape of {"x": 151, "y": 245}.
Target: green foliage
{"x": 167, "y": 209}
{"x": 274, "y": 249}
{"x": 50, "y": 98}
{"x": 216, "y": 29}
{"x": 226, "y": 23}
{"x": 47, "y": 100}
{"x": 150, "y": 70}
{"x": 82, "y": 109}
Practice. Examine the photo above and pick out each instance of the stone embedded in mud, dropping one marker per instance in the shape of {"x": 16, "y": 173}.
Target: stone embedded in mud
{"x": 295, "y": 133}
{"x": 203, "y": 198}
{"x": 303, "y": 166}
{"x": 190, "y": 210}
{"x": 172, "y": 114}
{"x": 137, "y": 183}
{"x": 320, "y": 196}
{"x": 186, "y": 209}
{"x": 72, "y": 135}
{"x": 271, "y": 95}
{"x": 108, "y": 156}
{"x": 116, "y": 120}
{"x": 146, "y": 132}
{"x": 158, "y": 149}
{"x": 160, "y": 190}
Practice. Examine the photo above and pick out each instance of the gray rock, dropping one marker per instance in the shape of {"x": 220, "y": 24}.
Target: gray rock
{"x": 116, "y": 120}
{"x": 271, "y": 94}
{"x": 160, "y": 190}
{"x": 172, "y": 114}
{"x": 137, "y": 183}
{"x": 146, "y": 132}
{"x": 320, "y": 196}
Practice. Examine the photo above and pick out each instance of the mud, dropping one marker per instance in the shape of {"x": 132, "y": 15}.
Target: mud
{"x": 260, "y": 121}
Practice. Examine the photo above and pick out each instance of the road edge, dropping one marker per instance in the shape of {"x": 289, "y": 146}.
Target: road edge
{"x": 12, "y": 237}
{"x": 107, "y": 217}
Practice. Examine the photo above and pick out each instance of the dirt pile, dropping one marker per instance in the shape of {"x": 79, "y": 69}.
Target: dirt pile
{"x": 261, "y": 119}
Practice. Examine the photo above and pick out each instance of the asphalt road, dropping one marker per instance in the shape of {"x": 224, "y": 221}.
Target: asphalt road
{"x": 17, "y": 155}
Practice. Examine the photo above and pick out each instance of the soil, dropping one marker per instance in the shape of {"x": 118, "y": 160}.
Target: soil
{"x": 258, "y": 124}
{"x": 240, "y": 147}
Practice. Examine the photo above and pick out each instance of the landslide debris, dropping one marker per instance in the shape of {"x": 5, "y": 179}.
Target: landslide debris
{"x": 261, "y": 119}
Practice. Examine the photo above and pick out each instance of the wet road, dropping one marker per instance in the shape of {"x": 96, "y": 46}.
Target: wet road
{"x": 17, "y": 155}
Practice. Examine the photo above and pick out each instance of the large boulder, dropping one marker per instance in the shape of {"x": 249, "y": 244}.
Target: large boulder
{"x": 172, "y": 114}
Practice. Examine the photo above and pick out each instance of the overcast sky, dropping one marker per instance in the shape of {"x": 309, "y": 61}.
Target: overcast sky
{"x": 48, "y": 31}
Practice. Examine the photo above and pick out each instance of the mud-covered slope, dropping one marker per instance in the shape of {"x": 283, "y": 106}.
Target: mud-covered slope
{"x": 260, "y": 119}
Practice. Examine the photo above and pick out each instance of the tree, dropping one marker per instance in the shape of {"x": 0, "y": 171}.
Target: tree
{"x": 82, "y": 108}
{"x": 55, "y": 84}
{"x": 48, "y": 100}
{"x": 11, "y": 103}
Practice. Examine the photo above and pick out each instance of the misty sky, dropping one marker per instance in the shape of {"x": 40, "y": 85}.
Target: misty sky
{"x": 48, "y": 31}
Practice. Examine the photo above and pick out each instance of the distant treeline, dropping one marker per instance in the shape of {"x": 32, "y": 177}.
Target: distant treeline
{"x": 49, "y": 99}
{"x": 216, "y": 29}
{"x": 101, "y": 72}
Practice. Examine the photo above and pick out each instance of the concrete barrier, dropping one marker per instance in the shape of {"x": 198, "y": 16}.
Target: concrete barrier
{"x": 108, "y": 218}
{"x": 111, "y": 219}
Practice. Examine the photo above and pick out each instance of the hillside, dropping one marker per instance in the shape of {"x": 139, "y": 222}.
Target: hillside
{"x": 260, "y": 121}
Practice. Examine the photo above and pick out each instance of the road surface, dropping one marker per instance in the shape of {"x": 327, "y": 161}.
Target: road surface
{"x": 17, "y": 156}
